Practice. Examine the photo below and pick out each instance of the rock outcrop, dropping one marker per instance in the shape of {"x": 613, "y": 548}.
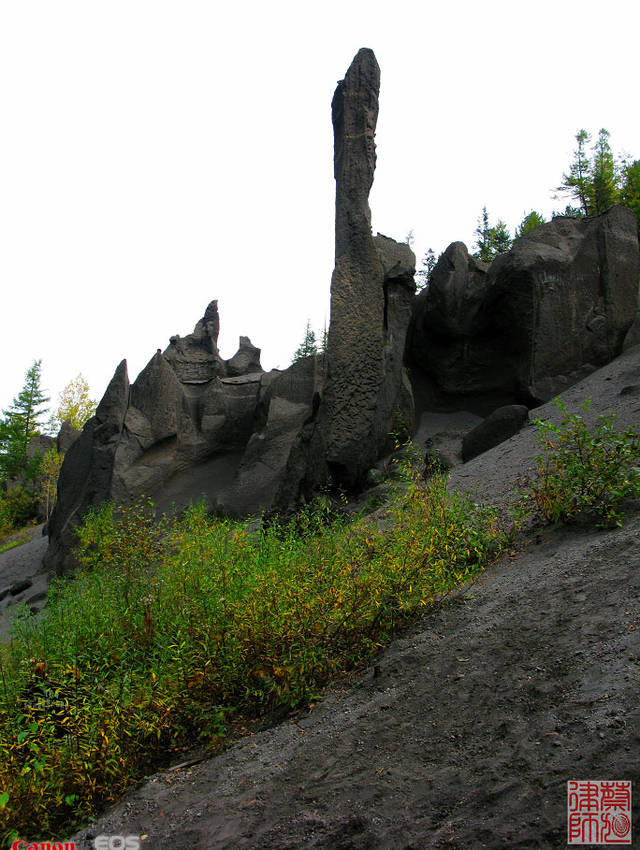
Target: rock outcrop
{"x": 539, "y": 318}
{"x": 176, "y": 434}
{"x": 194, "y": 425}
{"x": 372, "y": 285}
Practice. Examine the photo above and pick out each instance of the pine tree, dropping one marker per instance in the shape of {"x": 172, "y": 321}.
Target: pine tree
{"x": 490, "y": 241}
{"x": 630, "y": 189}
{"x": 324, "y": 341}
{"x": 578, "y": 183}
{"x": 424, "y": 274}
{"x": 308, "y": 345}
{"x": 21, "y": 422}
{"x": 528, "y": 223}
{"x": 499, "y": 238}
{"x": 604, "y": 190}
{"x": 483, "y": 238}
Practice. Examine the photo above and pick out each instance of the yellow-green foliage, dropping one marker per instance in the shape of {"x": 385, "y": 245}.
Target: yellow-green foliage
{"x": 171, "y": 627}
{"x": 586, "y": 471}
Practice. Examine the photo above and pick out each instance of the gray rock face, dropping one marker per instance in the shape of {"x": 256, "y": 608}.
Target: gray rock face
{"x": 40, "y": 445}
{"x": 371, "y": 289}
{"x": 67, "y": 435}
{"x": 195, "y": 359}
{"x": 191, "y": 426}
{"x": 87, "y": 470}
{"x": 539, "y": 318}
{"x": 495, "y": 429}
{"x": 274, "y": 465}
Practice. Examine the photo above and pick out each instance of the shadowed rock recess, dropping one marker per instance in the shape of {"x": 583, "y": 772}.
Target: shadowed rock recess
{"x": 480, "y": 337}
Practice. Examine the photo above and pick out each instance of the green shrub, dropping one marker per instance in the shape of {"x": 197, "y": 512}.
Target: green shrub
{"x": 586, "y": 472}
{"x": 170, "y": 630}
{"x": 17, "y": 508}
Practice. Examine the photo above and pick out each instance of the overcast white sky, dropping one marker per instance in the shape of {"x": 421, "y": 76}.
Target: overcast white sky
{"x": 156, "y": 155}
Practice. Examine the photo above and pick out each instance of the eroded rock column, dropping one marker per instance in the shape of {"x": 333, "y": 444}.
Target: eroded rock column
{"x": 358, "y": 404}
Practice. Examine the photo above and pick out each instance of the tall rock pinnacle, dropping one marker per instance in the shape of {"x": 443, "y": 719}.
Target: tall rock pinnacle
{"x": 354, "y": 111}
{"x": 359, "y": 403}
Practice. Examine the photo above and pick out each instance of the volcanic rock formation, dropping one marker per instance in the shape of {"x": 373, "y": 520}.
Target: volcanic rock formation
{"x": 538, "y": 319}
{"x": 479, "y": 336}
{"x": 371, "y": 291}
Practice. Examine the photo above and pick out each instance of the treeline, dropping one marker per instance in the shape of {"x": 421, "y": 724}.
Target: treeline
{"x": 596, "y": 180}
{"x": 29, "y": 466}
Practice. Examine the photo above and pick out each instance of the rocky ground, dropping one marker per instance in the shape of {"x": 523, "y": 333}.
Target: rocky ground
{"x": 465, "y": 731}
{"x": 463, "y": 734}
{"x": 21, "y": 576}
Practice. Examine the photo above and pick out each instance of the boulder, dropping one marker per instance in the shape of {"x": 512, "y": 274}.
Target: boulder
{"x": 495, "y": 429}
{"x": 540, "y": 317}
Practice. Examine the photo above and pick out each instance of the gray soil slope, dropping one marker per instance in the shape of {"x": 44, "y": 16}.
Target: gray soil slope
{"x": 466, "y": 737}
{"x": 467, "y": 729}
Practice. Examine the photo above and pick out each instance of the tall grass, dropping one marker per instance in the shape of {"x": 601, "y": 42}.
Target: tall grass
{"x": 173, "y": 628}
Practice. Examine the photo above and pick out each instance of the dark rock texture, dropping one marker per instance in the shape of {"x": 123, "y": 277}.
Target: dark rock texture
{"x": 495, "y": 429}
{"x": 274, "y": 465}
{"x": 191, "y": 426}
{"x": 371, "y": 289}
{"x": 540, "y": 317}
{"x": 194, "y": 425}
{"x": 39, "y": 445}
{"x": 67, "y": 435}
{"x": 87, "y": 470}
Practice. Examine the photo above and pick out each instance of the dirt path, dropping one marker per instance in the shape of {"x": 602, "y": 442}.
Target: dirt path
{"x": 21, "y": 567}
{"x": 465, "y": 738}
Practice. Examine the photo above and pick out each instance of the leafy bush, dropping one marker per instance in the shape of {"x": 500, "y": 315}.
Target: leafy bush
{"x": 169, "y": 631}
{"x": 586, "y": 472}
{"x": 17, "y": 508}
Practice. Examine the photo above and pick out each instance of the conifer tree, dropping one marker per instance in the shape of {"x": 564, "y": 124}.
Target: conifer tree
{"x": 528, "y": 223}
{"x": 630, "y": 189}
{"x": 490, "y": 241}
{"x": 308, "y": 345}
{"x": 578, "y": 183}
{"x": 21, "y": 422}
{"x": 604, "y": 189}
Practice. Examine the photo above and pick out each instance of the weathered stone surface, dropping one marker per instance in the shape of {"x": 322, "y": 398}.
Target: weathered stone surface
{"x": 274, "y": 464}
{"x": 195, "y": 358}
{"x": 87, "y": 470}
{"x": 246, "y": 360}
{"x": 495, "y": 429}
{"x": 19, "y": 586}
{"x": 177, "y": 434}
{"x": 39, "y": 445}
{"x": 67, "y": 435}
{"x": 452, "y": 302}
{"x": 555, "y": 307}
{"x": 371, "y": 288}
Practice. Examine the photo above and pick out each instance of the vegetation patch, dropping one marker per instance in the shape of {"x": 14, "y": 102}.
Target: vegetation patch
{"x": 586, "y": 472}
{"x": 172, "y": 629}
